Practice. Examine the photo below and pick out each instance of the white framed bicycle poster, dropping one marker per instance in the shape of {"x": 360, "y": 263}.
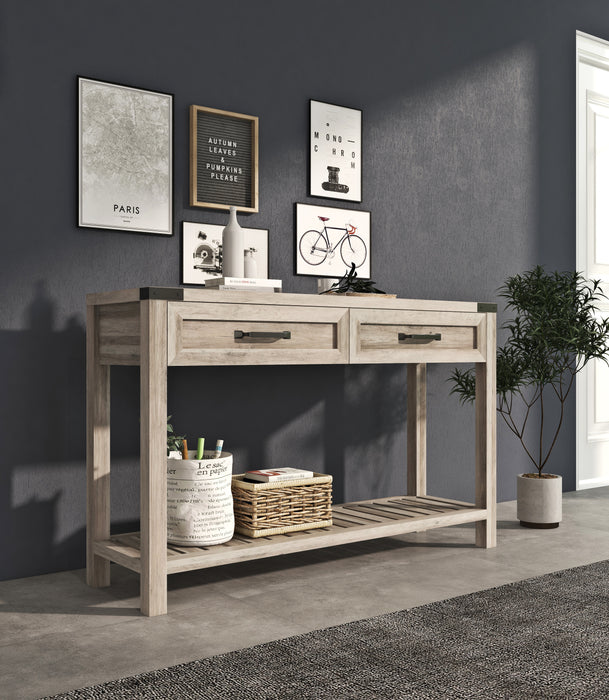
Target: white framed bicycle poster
{"x": 335, "y": 152}
{"x": 329, "y": 240}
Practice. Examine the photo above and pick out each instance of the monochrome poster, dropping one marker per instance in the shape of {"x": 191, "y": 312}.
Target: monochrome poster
{"x": 125, "y": 158}
{"x": 335, "y": 152}
{"x": 202, "y": 251}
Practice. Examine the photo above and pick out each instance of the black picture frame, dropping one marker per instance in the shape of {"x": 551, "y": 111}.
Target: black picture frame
{"x": 122, "y": 124}
{"x": 201, "y": 251}
{"x": 339, "y": 221}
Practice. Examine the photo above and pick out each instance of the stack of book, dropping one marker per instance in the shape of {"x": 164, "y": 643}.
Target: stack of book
{"x": 244, "y": 284}
{"x": 283, "y": 474}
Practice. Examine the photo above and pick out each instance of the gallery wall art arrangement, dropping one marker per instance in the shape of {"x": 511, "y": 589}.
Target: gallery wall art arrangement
{"x": 125, "y": 180}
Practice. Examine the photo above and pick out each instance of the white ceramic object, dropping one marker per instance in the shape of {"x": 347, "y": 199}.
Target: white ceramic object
{"x": 199, "y": 500}
{"x": 324, "y": 283}
{"x": 232, "y": 247}
{"x": 539, "y": 501}
{"x": 250, "y": 265}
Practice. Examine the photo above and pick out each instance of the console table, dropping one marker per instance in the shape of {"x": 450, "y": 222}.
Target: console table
{"x": 159, "y": 327}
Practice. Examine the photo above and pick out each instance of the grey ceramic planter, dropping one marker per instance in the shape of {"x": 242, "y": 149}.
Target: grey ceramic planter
{"x": 539, "y": 501}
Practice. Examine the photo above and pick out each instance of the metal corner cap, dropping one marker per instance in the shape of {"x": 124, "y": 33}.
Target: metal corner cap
{"x": 487, "y": 308}
{"x": 162, "y": 293}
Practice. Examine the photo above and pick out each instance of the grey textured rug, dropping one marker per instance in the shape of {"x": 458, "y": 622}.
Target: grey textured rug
{"x": 546, "y": 637}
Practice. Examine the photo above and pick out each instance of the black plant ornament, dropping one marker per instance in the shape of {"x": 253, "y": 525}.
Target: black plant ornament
{"x": 349, "y": 283}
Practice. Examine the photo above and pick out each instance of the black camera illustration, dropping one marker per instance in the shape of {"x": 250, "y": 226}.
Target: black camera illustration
{"x": 333, "y": 185}
{"x": 208, "y": 254}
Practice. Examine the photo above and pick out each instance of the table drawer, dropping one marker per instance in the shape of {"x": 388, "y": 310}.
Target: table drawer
{"x": 383, "y": 335}
{"x": 252, "y": 334}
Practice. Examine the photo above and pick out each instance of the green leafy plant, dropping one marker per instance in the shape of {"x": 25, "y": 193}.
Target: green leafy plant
{"x": 174, "y": 442}
{"x": 555, "y": 332}
{"x": 349, "y": 282}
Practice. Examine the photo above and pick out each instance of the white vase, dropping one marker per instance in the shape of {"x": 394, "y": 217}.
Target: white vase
{"x": 539, "y": 501}
{"x": 232, "y": 247}
{"x": 200, "y": 500}
{"x": 250, "y": 265}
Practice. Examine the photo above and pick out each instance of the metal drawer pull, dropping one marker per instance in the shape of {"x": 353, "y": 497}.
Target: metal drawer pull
{"x": 285, "y": 335}
{"x": 413, "y": 336}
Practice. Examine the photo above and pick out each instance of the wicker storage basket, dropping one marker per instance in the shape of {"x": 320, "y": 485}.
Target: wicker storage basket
{"x": 275, "y": 508}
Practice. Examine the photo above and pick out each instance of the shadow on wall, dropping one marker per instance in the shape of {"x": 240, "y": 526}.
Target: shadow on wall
{"x": 43, "y": 421}
{"x": 43, "y": 460}
{"x": 309, "y": 417}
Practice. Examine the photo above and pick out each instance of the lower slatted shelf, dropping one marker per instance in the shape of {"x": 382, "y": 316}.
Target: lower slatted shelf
{"x": 352, "y": 522}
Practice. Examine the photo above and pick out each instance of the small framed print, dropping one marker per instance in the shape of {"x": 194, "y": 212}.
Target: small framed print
{"x": 202, "y": 252}
{"x": 125, "y": 158}
{"x": 335, "y": 152}
{"x": 330, "y": 240}
{"x": 223, "y": 159}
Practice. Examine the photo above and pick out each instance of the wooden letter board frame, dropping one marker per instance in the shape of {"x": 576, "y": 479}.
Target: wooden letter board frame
{"x": 223, "y": 145}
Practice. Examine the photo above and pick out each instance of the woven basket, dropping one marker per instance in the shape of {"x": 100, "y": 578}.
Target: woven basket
{"x": 275, "y": 508}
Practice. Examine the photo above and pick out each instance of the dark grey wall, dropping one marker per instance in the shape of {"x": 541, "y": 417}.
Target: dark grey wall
{"x": 468, "y": 171}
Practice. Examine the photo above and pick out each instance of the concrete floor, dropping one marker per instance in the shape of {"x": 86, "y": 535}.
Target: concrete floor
{"x": 57, "y": 634}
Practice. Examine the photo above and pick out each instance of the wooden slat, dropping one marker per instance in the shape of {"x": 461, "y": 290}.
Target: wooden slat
{"x": 350, "y": 518}
{"x": 443, "y": 501}
{"x": 370, "y": 509}
{"x": 349, "y": 510}
{"x": 131, "y": 540}
{"x": 390, "y": 508}
{"x": 126, "y": 556}
{"x": 337, "y": 522}
{"x": 415, "y": 508}
{"x": 410, "y": 504}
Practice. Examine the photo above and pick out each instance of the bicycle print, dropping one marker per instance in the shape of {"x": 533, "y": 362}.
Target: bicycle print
{"x": 334, "y": 240}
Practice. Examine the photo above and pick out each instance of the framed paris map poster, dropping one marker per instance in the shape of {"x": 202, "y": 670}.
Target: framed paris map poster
{"x": 125, "y": 158}
{"x": 335, "y": 145}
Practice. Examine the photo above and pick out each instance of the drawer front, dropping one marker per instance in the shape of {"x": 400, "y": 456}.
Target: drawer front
{"x": 251, "y": 334}
{"x": 416, "y": 336}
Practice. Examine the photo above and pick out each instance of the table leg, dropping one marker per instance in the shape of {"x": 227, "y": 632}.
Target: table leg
{"x": 98, "y": 456}
{"x": 486, "y": 431}
{"x": 153, "y": 456}
{"x": 416, "y": 430}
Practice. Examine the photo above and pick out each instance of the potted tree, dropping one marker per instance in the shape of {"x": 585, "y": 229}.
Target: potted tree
{"x": 555, "y": 332}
